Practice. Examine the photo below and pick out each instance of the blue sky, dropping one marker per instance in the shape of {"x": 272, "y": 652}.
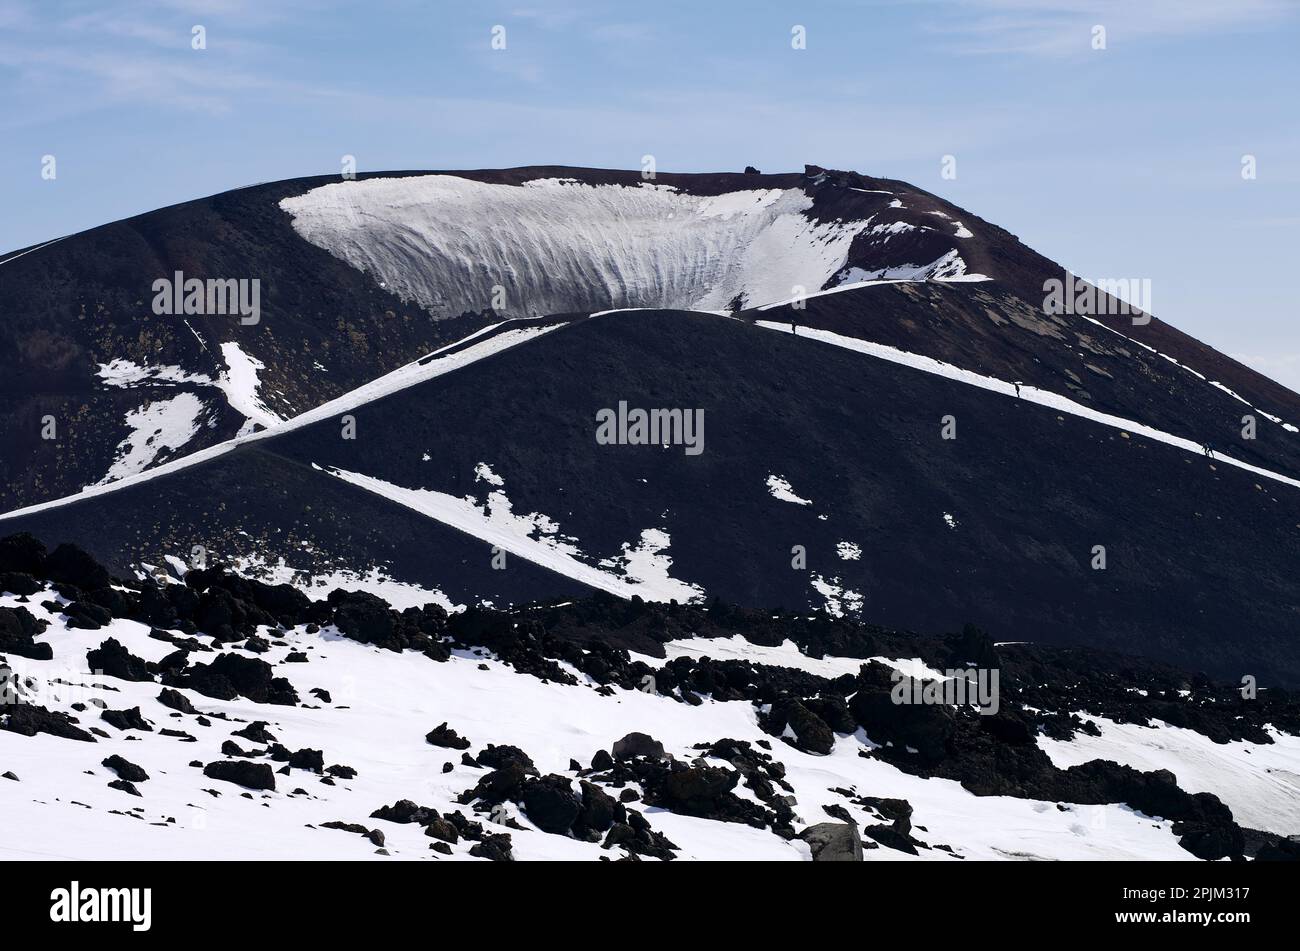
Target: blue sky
{"x": 1123, "y": 162}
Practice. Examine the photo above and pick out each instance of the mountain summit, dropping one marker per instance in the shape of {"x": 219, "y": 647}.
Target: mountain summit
{"x": 897, "y": 416}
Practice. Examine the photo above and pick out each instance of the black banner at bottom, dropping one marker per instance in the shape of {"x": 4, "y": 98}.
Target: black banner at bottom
{"x": 272, "y": 899}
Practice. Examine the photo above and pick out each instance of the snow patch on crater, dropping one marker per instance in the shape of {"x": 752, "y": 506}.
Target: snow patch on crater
{"x": 556, "y": 245}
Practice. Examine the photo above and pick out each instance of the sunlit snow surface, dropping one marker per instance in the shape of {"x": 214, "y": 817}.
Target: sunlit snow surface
{"x": 384, "y": 703}
{"x": 240, "y": 383}
{"x": 158, "y": 425}
{"x": 556, "y": 246}
{"x": 1259, "y": 782}
{"x": 780, "y": 489}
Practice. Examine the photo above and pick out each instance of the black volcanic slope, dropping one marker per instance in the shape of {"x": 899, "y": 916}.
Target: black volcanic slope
{"x": 1200, "y": 556}
{"x": 326, "y": 327}
{"x": 987, "y": 328}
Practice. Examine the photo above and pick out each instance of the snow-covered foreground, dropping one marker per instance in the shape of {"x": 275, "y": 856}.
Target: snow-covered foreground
{"x": 381, "y": 706}
{"x": 1259, "y": 783}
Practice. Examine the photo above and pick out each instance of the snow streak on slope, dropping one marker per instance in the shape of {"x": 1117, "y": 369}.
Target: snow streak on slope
{"x": 155, "y": 426}
{"x": 239, "y": 382}
{"x": 786, "y": 655}
{"x": 1030, "y": 394}
{"x": 949, "y": 267}
{"x": 780, "y": 489}
{"x": 123, "y": 373}
{"x": 535, "y": 537}
{"x": 557, "y": 246}
{"x": 415, "y": 372}
{"x": 317, "y": 583}
{"x": 1200, "y": 376}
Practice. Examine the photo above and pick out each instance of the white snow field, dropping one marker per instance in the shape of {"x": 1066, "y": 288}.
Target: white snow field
{"x": 240, "y": 384}
{"x": 382, "y": 705}
{"x": 558, "y": 245}
{"x": 1259, "y": 783}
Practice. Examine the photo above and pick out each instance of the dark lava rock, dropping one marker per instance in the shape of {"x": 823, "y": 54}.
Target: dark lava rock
{"x": 897, "y": 811}
{"x": 598, "y": 812}
{"x": 125, "y": 769}
{"x": 176, "y": 700}
{"x": 405, "y": 811}
{"x": 256, "y": 731}
{"x": 28, "y": 720}
{"x": 231, "y": 748}
{"x": 313, "y": 760}
{"x": 499, "y": 757}
{"x": 233, "y": 675}
{"x": 694, "y": 790}
{"x": 638, "y": 838}
{"x": 833, "y": 842}
{"x": 925, "y": 728}
{"x": 551, "y": 804}
{"x": 70, "y": 564}
{"x": 811, "y": 734}
{"x": 447, "y": 738}
{"x": 17, "y": 628}
{"x": 126, "y": 719}
{"x": 366, "y": 618}
{"x": 498, "y": 786}
{"x": 495, "y": 848}
{"x": 890, "y": 837}
{"x": 20, "y": 583}
{"x": 85, "y": 615}
{"x": 442, "y": 829}
{"x": 1007, "y": 727}
{"x": 242, "y": 773}
{"x": 375, "y": 836}
{"x": 256, "y": 645}
{"x": 1285, "y": 849}
{"x": 638, "y": 744}
{"x": 125, "y": 786}
{"x": 113, "y": 660}
{"x": 1209, "y": 841}
{"x": 22, "y": 553}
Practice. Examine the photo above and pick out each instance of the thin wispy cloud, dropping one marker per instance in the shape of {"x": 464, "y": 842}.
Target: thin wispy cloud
{"x": 1064, "y": 27}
